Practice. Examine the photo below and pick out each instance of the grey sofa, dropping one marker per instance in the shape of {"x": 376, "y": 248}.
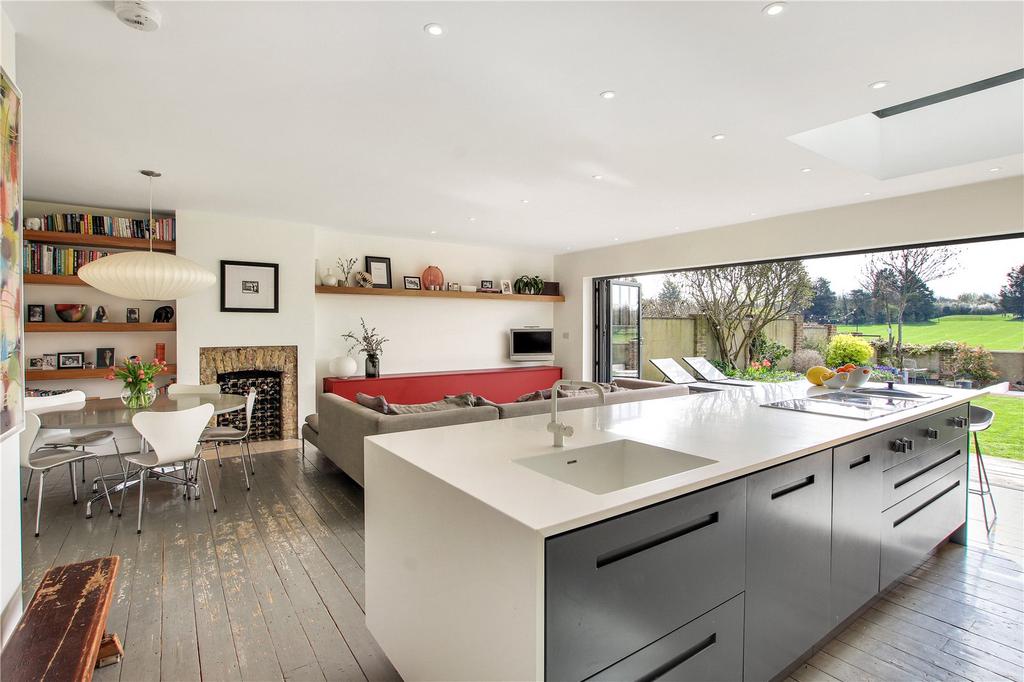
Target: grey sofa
{"x": 340, "y": 425}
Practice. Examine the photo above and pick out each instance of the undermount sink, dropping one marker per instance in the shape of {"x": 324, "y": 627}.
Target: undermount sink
{"x": 896, "y": 393}
{"x": 612, "y": 466}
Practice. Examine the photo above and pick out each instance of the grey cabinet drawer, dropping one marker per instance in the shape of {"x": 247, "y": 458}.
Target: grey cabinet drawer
{"x": 708, "y": 649}
{"x": 856, "y": 510}
{"x": 789, "y": 536}
{"x": 616, "y": 586}
{"x": 925, "y": 433}
{"x": 906, "y": 478}
{"x": 913, "y": 527}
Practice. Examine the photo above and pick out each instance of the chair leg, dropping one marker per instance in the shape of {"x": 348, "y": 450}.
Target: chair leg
{"x": 209, "y": 482}
{"x": 216, "y": 446}
{"x": 984, "y": 487}
{"x": 142, "y": 496}
{"x": 245, "y": 470}
{"x": 106, "y": 490}
{"x": 197, "y": 484}
{"x": 252, "y": 465}
{"x": 28, "y": 485}
{"x": 303, "y": 449}
{"x": 74, "y": 482}
{"x": 39, "y": 504}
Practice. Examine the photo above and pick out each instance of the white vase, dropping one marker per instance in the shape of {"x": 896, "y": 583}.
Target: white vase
{"x": 329, "y": 279}
{"x": 343, "y": 366}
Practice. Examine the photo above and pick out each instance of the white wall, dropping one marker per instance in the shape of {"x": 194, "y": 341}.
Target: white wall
{"x": 427, "y": 334}
{"x": 207, "y": 239}
{"x": 10, "y": 498}
{"x": 978, "y": 210}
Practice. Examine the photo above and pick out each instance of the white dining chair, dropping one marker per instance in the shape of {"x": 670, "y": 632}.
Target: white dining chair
{"x": 171, "y": 438}
{"x": 193, "y": 389}
{"x": 66, "y": 438}
{"x": 223, "y": 435}
{"x": 45, "y": 459}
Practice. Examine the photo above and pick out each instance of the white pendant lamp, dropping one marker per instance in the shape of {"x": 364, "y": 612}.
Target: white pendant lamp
{"x": 146, "y": 275}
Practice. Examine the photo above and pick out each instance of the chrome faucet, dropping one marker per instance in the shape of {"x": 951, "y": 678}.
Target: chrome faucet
{"x": 559, "y": 430}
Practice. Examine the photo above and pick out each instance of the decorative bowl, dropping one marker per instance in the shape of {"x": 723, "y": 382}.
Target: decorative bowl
{"x": 364, "y": 280}
{"x": 858, "y": 377}
{"x": 71, "y": 312}
{"x": 838, "y": 381}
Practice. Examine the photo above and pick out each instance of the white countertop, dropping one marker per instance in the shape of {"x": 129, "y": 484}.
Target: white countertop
{"x": 731, "y": 427}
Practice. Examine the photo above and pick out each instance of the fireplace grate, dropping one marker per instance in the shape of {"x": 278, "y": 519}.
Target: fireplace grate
{"x": 266, "y": 414}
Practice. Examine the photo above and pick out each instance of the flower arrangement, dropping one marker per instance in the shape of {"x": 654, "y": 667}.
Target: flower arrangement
{"x": 370, "y": 343}
{"x": 137, "y": 376}
{"x": 346, "y": 265}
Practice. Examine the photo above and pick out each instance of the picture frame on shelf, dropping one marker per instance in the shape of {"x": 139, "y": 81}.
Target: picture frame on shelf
{"x": 506, "y": 286}
{"x": 412, "y": 283}
{"x": 36, "y": 313}
{"x": 132, "y": 315}
{"x": 248, "y": 287}
{"x": 49, "y": 361}
{"x": 35, "y": 363}
{"x": 75, "y": 360}
{"x": 487, "y": 284}
{"x": 100, "y": 315}
{"x": 379, "y": 268}
{"x": 104, "y": 357}
{"x": 454, "y": 286}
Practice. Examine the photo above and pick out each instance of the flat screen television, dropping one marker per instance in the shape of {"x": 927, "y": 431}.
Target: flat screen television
{"x": 530, "y": 344}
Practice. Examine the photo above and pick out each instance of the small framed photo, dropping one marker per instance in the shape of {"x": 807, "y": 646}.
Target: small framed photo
{"x": 36, "y": 313}
{"x": 454, "y": 286}
{"x": 49, "y": 361}
{"x": 104, "y": 357}
{"x": 506, "y": 286}
{"x": 412, "y": 282}
{"x": 380, "y": 270}
{"x": 35, "y": 363}
{"x": 487, "y": 284}
{"x": 247, "y": 287}
{"x": 71, "y": 360}
{"x": 132, "y": 315}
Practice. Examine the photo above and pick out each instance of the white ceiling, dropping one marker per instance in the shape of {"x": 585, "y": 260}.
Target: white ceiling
{"x": 350, "y": 115}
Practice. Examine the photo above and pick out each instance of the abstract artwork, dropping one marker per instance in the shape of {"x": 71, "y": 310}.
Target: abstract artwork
{"x": 12, "y": 374}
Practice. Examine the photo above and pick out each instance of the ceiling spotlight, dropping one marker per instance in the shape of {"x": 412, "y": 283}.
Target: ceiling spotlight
{"x": 867, "y": 194}
{"x": 753, "y": 213}
{"x": 718, "y": 136}
{"x": 805, "y": 170}
{"x": 994, "y": 169}
{"x": 608, "y": 94}
{"x": 433, "y": 232}
{"x": 597, "y": 177}
{"x": 615, "y": 239}
{"x": 878, "y": 85}
{"x": 676, "y": 229}
{"x": 434, "y": 29}
{"x": 774, "y": 9}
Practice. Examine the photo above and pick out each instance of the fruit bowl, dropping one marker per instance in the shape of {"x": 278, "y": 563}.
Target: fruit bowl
{"x": 838, "y": 381}
{"x": 858, "y": 377}
{"x": 71, "y": 312}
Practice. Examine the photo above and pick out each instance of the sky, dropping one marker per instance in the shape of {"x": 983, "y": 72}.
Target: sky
{"x": 981, "y": 269}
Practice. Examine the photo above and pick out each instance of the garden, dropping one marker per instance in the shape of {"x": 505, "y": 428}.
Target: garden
{"x": 995, "y": 332}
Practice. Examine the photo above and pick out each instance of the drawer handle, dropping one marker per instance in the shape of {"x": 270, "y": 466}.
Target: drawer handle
{"x": 915, "y": 510}
{"x": 857, "y": 462}
{"x": 677, "y": 661}
{"x": 653, "y": 541}
{"x": 792, "y": 487}
{"x": 925, "y": 470}
{"x": 960, "y": 422}
{"x": 932, "y": 434}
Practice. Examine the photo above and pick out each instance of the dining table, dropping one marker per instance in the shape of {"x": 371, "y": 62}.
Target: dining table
{"x": 110, "y": 413}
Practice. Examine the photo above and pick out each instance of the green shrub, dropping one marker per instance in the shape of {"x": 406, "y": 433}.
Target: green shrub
{"x": 844, "y": 348}
{"x": 974, "y": 363}
{"x": 763, "y": 348}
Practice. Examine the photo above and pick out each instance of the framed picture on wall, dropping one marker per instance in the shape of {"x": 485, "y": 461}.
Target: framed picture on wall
{"x": 380, "y": 270}
{"x": 12, "y": 349}
{"x": 248, "y": 287}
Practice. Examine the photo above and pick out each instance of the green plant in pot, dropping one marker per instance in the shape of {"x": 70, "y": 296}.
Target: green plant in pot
{"x": 371, "y": 344}
{"x": 529, "y": 284}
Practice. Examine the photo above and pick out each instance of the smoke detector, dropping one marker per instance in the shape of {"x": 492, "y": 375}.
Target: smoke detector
{"x": 138, "y": 14}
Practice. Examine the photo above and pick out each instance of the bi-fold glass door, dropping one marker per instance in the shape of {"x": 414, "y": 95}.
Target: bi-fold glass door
{"x": 617, "y": 336}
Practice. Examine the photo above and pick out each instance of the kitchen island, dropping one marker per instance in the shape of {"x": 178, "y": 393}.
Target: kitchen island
{"x": 701, "y": 537}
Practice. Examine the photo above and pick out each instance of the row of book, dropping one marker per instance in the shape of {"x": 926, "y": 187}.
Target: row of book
{"x": 46, "y": 259}
{"x": 85, "y": 223}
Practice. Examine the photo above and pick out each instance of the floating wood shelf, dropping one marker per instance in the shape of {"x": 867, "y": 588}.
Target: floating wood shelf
{"x": 426, "y": 293}
{"x": 65, "y": 280}
{"x": 80, "y": 327}
{"x": 97, "y": 241}
{"x": 72, "y": 374}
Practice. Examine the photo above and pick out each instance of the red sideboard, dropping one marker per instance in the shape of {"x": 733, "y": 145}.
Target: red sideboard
{"x": 500, "y": 385}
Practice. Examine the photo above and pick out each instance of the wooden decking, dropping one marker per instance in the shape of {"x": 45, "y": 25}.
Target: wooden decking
{"x": 271, "y": 586}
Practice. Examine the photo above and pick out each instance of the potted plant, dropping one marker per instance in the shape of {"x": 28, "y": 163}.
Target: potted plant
{"x": 529, "y": 284}
{"x": 370, "y": 344}
{"x": 139, "y": 390}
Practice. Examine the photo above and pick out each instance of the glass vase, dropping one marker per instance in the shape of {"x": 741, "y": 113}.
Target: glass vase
{"x": 137, "y": 397}
{"x": 372, "y": 366}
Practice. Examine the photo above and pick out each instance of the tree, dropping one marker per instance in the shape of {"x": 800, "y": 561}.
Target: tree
{"x": 740, "y": 301}
{"x": 669, "y": 302}
{"x": 921, "y": 306}
{"x": 1011, "y": 294}
{"x": 896, "y": 277}
{"x": 823, "y": 302}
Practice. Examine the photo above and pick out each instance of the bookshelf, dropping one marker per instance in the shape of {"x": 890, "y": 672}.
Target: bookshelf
{"x": 96, "y": 241}
{"x": 102, "y": 327}
{"x": 60, "y": 280}
{"x": 426, "y": 293}
{"x": 77, "y": 374}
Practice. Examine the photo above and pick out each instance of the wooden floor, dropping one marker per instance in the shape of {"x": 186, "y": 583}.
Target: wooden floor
{"x": 271, "y": 586}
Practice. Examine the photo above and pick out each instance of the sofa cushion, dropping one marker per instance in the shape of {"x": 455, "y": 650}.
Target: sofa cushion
{"x": 484, "y": 402}
{"x": 538, "y": 395}
{"x": 314, "y": 422}
{"x": 377, "y": 403}
{"x": 452, "y": 402}
{"x": 462, "y": 400}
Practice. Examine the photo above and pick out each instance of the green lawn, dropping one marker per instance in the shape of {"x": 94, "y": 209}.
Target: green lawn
{"x": 1005, "y": 438}
{"x": 994, "y": 332}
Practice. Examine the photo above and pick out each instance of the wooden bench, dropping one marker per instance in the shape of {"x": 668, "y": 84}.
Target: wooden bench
{"x": 62, "y": 634}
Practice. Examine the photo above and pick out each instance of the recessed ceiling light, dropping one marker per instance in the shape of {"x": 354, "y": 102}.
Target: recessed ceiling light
{"x": 433, "y": 232}
{"x": 472, "y": 220}
{"x": 434, "y": 29}
{"x": 675, "y": 229}
{"x": 526, "y": 201}
{"x": 615, "y": 239}
{"x": 774, "y": 9}
{"x": 878, "y": 85}
{"x": 718, "y": 136}
{"x": 867, "y": 194}
{"x": 597, "y": 177}
{"x": 805, "y": 170}
{"x": 994, "y": 169}
{"x": 608, "y": 94}
{"x": 753, "y": 213}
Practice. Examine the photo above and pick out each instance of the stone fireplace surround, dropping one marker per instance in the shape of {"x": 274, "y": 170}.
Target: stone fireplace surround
{"x": 284, "y": 359}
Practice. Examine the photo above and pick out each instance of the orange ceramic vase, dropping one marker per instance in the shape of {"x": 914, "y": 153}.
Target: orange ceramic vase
{"x": 432, "y": 277}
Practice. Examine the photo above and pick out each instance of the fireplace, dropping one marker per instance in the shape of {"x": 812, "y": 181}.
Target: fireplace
{"x": 266, "y": 413}
{"x": 272, "y": 371}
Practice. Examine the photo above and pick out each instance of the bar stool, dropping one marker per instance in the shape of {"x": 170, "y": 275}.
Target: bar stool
{"x": 981, "y": 419}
